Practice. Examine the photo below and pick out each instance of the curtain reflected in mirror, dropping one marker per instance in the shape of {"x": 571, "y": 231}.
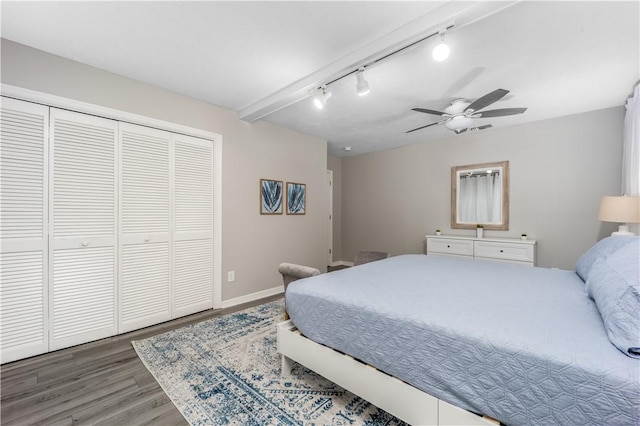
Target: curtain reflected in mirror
{"x": 480, "y": 195}
{"x": 480, "y": 198}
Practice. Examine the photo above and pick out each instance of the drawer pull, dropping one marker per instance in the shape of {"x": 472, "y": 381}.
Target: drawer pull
{"x": 501, "y": 251}
{"x": 85, "y": 244}
{"x": 448, "y": 246}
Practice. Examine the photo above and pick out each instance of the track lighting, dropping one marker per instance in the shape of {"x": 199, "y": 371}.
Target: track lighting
{"x": 322, "y": 95}
{"x": 441, "y": 51}
{"x": 321, "y": 98}
{"x": 362, "y": 86}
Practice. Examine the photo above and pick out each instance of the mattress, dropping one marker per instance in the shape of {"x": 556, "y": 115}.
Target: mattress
{"x": 523, "y": 345}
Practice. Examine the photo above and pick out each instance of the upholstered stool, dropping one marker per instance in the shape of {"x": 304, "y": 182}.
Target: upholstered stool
{"x": 368, "y": 256}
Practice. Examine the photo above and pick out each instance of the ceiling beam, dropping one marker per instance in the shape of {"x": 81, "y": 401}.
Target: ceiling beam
{"x": 458, "y": 13}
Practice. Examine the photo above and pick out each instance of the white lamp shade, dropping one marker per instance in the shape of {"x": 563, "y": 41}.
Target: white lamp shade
{"x": 621, "y": 209}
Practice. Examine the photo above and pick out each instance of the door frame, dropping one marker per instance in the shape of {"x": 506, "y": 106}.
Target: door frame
{"x": 330, "y": 190}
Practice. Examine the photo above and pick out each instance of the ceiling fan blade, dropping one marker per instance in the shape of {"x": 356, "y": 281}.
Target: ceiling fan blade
{"x": 428, "y": 111}
{"x": 458, "y": 131}
{"x": 428, "y": 125}
{"x": 486, "y": 100}
{"x": 499, "y": 112}
{"x": 486, "y": 126}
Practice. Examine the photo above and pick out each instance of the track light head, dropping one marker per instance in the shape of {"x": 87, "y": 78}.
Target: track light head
{"x": 362, "y": 86}
{"x": 441, "y": 51}
{"x": 321, "y": 98}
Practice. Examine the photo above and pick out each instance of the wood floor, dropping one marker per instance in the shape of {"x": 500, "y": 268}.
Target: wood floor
{"x": 102, "y": 383}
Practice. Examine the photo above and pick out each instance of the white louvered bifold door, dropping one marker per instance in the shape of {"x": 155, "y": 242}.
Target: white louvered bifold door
{"x": 23, "y": 229}
{"x": 144, "y": 221}
{"x": 193, "y": 225}
{"x": 82, "y": 214}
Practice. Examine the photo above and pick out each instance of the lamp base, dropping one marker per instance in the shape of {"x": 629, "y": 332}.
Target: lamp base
{"x": 623, "y": 230}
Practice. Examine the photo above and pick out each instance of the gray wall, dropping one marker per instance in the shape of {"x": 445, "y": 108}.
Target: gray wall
{"x": 252, "y": 245}
{"x": 559, "y": 171}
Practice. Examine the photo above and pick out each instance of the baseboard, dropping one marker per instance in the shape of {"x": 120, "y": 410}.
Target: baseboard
{"x": 341, "y": 263}
{"x": 253, "y": 296}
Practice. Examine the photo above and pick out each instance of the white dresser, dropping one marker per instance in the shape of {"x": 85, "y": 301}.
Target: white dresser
{"x": 491, "y": 249}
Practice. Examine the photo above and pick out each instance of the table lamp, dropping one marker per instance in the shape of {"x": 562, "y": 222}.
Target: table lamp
{"x": 622, "y": 209}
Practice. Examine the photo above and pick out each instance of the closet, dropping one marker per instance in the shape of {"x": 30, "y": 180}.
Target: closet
{"x": 82, "y": 221}
{"x": 24, "y": 271}
{"x": 106, "y": 227}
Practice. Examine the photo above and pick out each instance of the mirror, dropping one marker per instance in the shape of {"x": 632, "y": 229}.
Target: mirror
{"x": 480, "y": 195}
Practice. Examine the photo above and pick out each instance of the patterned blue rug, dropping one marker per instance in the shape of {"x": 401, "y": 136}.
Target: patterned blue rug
{"x": 226, "y": 371}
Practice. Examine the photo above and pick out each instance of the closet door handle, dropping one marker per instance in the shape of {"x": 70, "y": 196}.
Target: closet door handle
{"x": 85, "y": 243}
{"x": 146, "y": 240}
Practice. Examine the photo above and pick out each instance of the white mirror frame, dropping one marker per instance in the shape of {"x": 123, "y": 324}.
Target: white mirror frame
{"x": 456, "y": 171}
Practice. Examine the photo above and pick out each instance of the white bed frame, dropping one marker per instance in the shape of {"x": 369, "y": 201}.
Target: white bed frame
{"x": 382, "y": 390}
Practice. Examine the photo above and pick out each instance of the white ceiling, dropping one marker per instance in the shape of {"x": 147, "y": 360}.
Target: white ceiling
{"x": 262, "y": 58}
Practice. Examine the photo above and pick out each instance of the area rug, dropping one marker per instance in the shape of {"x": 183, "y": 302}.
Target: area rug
{"x": 226, "y": 371}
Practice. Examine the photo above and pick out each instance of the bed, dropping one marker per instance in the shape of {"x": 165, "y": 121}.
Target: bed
{"x": 421, "y": 336}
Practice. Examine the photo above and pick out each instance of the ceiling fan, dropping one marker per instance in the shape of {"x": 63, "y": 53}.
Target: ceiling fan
{"x": 459, "y": 115}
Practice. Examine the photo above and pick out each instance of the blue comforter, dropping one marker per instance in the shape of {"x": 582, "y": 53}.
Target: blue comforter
{"x": 523, "y": 345}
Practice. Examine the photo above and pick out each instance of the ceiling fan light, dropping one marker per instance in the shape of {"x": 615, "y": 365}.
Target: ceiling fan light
{"x": 362, "y": 86}
{"x": 458, "y": 122}
{"x": 321, "y": 99}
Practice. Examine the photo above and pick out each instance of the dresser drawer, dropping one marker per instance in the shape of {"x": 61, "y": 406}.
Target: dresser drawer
{"x": 450, "y": 246}
{"x": 504, "y": 251}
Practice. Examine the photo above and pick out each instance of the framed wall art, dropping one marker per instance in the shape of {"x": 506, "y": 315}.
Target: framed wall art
{"x": 270, "y": 196}
{"x": 296, "y": 198}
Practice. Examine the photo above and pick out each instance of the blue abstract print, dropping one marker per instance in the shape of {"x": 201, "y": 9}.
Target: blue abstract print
{"x": 296, "y": 198}
{"x": 270, "y": 196}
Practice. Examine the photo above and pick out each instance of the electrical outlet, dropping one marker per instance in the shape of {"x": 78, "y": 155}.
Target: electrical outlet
{"x": 231, "y": 276}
